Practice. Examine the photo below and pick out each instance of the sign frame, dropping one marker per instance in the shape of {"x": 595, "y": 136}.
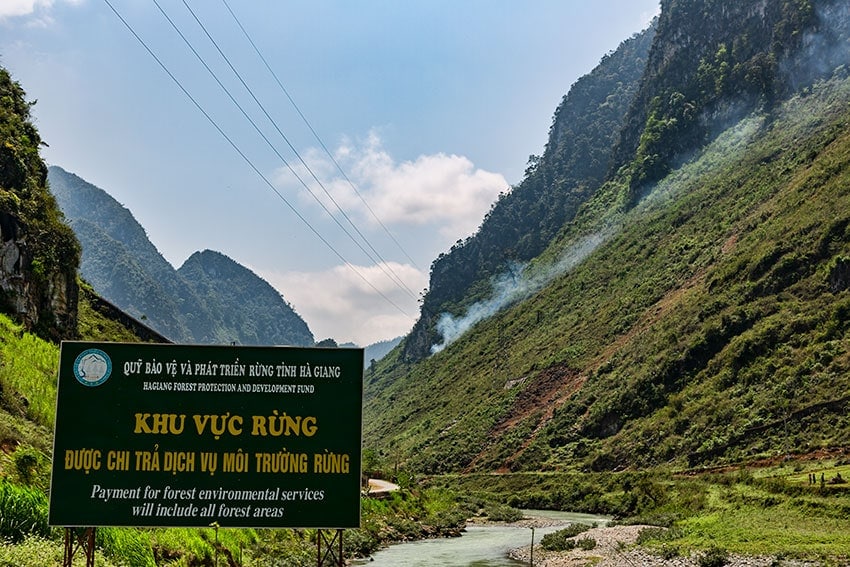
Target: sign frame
{"x": 164, "y": 435}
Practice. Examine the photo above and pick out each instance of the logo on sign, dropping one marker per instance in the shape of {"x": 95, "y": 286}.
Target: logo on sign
{"x": 92, "y": 367}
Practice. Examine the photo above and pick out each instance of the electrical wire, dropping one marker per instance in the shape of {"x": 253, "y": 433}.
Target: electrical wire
{"x": 383, "y": 265}
{"x": 247, "y": 159}
{"x": 316, "y": 135}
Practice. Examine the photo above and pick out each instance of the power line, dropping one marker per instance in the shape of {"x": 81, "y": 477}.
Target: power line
{"x": 383, "y": 265}
{"x": 247, "y": 159}
{"x": 215, "y": 77}
{"x": 318, "y": 139}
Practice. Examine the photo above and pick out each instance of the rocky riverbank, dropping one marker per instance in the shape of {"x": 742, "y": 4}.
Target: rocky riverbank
{"x": 615, "y": 547}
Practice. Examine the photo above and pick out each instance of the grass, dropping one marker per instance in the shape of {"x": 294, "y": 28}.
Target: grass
{"x": 28, "y": 367}
{"x": 764, "y": 511}
{"x": 562, "y": 540}
{"x": 23, "y": 512}
{"x": 702, "y": 331}
{"x": 769, "y": 516}
{"x": 40, "y": 552}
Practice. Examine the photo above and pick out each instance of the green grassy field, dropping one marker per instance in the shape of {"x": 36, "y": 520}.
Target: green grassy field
{"x": 766, "y": 511}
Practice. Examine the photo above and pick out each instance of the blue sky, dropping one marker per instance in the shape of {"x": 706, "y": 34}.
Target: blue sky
{"x": 431, "y": 108}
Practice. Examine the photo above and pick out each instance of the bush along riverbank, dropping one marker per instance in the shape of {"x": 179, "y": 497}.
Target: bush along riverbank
{"x": 420, "y": 513}
{"x": 405, "y": 515}
{"x": 793, "y": 512}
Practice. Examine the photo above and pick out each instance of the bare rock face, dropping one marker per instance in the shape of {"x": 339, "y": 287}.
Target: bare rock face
{"x": 12, "y": 281}
{"x": 839, "y": 276}
{"x": 44, "y": 301}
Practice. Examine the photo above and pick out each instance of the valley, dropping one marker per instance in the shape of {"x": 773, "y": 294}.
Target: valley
{"x": 652, "y": 327}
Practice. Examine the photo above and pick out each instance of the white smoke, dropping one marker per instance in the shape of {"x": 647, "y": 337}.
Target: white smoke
{"x": 516, "y": 284}
{"x": 821, "y": 53}
{"x": 520, "y": 282}
{"x": 823, "y": 50}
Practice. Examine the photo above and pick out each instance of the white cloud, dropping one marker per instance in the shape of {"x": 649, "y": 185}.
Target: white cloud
{"x": 10, "y": 8}
{"x": 17, "y": 8}
{"x": 444, "y": 191}
{"x": 339, "y": 304}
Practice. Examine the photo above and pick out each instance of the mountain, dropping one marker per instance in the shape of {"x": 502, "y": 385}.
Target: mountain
{"x": 379, "y": 350}
{"x": 256, "y": 311}
{"x": 209, "y": 300}
{"x": 721, "y": 60}
{"x": 694, "y": 309}
{"x": 38, "y": 252}
{"x": 523, "y": 221}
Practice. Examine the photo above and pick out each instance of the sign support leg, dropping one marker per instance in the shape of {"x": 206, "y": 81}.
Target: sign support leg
{"x": 77, "y": 539}
{"x": 332, "y": 556}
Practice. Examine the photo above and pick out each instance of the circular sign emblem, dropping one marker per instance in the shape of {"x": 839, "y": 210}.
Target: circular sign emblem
{"x": 92, "y": 367}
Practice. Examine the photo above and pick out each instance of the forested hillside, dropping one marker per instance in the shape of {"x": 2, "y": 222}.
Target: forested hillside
{"x": 697, "y": 319}
{"x": 716, "y": 61}
{"x": 255, "y": 312}
{"x": 524, "y": 220}
{"x": 210, "y": 299}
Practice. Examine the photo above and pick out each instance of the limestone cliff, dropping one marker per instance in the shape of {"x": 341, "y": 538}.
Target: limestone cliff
{"x": 39, "y": 253}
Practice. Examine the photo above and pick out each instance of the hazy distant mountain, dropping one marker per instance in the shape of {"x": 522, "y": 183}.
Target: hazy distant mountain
{"x": 379, "y": 350}
{"x": 210, "y": 300}
{"x": 255, "y": 310}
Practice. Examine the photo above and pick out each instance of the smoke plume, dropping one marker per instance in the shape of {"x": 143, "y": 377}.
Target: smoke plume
{"x": 515, "y": 285}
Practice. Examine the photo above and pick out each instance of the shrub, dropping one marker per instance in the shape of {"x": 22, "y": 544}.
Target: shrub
{"x": 502, "y": 513}
{"x": 24, "y": 512}
{"x": 586, "y": 543}
{"x": 652, "y": 534}
{"x": 31, "y": 465}
{"x": 713, "y": 557}
{"x": 669, "y": 552}
{"x": 561, "y": 540}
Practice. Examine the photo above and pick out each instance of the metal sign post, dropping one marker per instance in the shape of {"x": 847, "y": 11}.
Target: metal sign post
{"x": 333, "y": 555}
{"x": 79, "y": 539}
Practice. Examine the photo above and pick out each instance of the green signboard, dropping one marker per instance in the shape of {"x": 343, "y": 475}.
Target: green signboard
{"x": 176, "y": 435}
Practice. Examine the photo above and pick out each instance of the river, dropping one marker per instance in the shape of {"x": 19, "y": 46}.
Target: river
{"x": 480, "y": 546}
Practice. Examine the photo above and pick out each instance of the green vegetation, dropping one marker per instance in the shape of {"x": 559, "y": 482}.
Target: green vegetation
{"x": 27, "y": 360}
{"x": 210, "y": 300}
{"x": 564, "y": 540}
{"x": 24, "y": 512}
{"x": 95, "y": 325}
{"x": 735, "y": 60}
{"x": 774, "y": 511}
{"x": 48, "y": 259}
{"x": 708, "y": 327}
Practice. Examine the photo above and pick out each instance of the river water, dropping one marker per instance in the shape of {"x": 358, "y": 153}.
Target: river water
{"x": 480, "y": 546}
